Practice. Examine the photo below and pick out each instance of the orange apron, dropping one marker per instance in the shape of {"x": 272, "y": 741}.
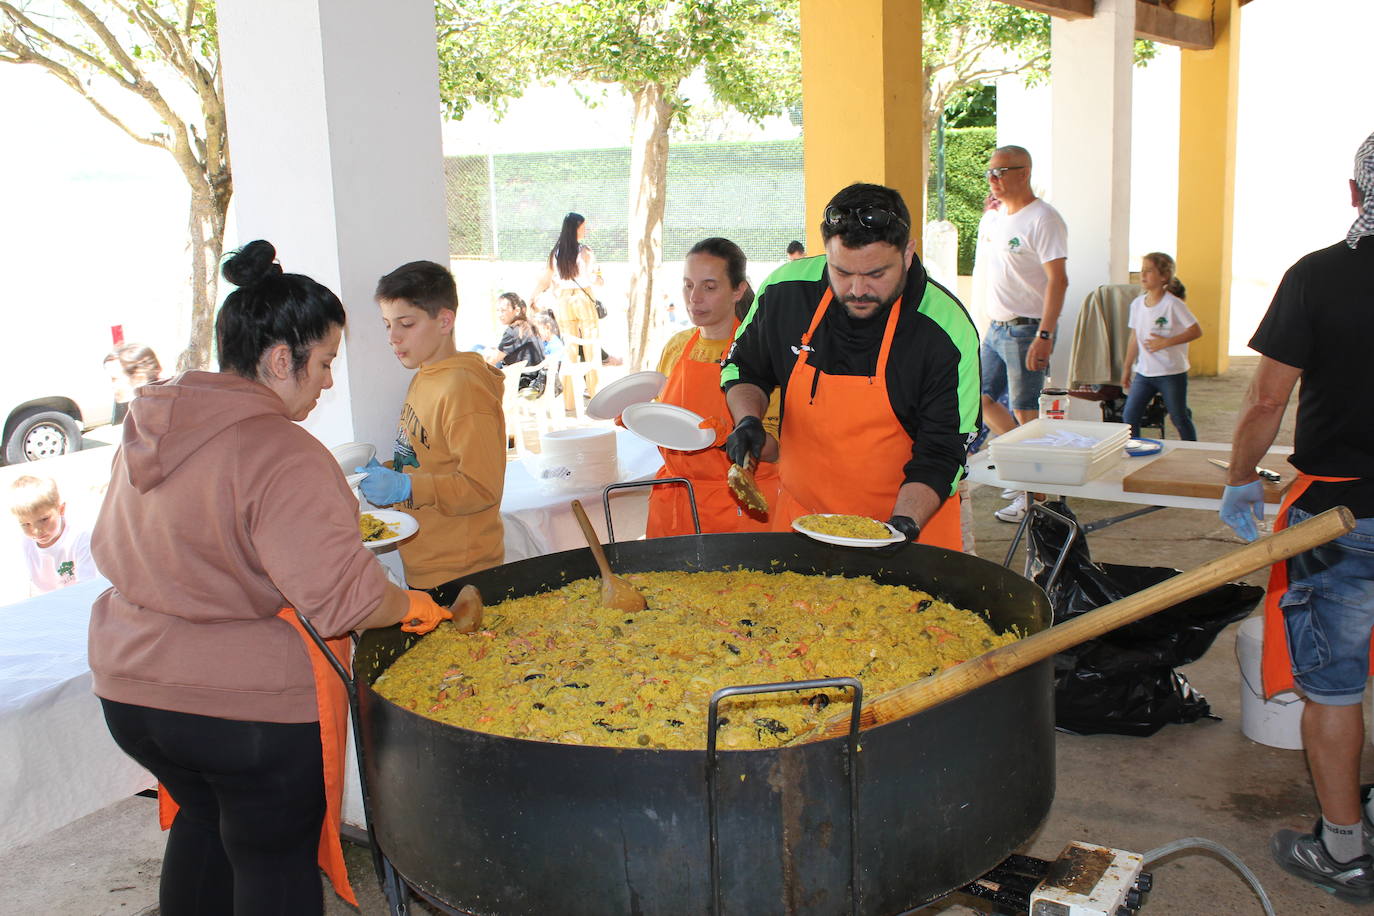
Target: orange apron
{"x": 842, "y": 447}
{"x": 333, "y": 705}
{"x": 1276, "y": 665}
{"x": 696, "y": 386}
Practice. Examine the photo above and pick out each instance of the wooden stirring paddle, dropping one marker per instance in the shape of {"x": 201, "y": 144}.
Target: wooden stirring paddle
{"x": 467, "y": 609}
{"x": 616, "y": 592}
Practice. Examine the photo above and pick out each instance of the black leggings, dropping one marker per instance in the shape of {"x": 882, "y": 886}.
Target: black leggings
{"x": 252, "y": 802}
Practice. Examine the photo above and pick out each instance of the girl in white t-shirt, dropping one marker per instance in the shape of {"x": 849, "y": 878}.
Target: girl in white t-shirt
{"x": 1157, "y": 356}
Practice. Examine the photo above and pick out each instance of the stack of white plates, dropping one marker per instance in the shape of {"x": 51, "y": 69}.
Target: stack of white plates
{"x": 577, "y": 459}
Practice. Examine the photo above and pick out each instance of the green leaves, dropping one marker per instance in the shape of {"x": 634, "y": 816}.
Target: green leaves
{"x": 489, "y": 50}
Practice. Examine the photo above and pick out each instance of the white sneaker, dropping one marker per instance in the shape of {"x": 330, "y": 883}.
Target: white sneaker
{"x": 1014, "y": 511}
{"x": 1011, "y": 493}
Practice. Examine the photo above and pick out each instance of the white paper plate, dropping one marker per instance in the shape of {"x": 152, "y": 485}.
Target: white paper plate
{"x": 635, "y": 388}
{"x": 667, "y": 425}
{"x": 352, "y": 455}
{"x": 406, "y": 527}
{"x": 1139, "y": 447}
{"x": 848, "y": 542}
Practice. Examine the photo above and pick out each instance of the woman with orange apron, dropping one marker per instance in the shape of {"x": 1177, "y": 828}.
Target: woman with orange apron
{"x": 823, "y": 409}
{"x": 204, "y": 680}
{"x": 715, "y": 292}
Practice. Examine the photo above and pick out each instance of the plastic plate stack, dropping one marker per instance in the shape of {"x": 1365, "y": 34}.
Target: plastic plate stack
{"x": 576, "y": 459}
{"x": 1068, "y": 452}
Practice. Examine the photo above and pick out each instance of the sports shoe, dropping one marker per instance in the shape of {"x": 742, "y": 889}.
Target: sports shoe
{"x": 1303, "y": 855}
{"x": 1011, "y": 493}
{"x": 1013, "y": 512}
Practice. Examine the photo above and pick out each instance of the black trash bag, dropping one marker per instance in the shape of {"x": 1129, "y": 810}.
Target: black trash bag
{"x": 1123, "y": 682}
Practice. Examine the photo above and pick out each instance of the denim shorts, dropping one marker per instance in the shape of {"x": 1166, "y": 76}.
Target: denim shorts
{"x": 1003, "y": 358}
{"x": 1328, "y": 611}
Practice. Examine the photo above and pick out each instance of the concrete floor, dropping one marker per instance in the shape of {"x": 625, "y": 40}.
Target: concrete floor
{"x": 1204, "y": 779}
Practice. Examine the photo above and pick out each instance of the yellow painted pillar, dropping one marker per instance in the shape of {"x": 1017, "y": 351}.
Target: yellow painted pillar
{"x": 862, "y": 102}
{"x": 1209, "y": 87}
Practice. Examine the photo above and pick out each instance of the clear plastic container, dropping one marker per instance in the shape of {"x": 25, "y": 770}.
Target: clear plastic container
{"x": 1018, "y": 458}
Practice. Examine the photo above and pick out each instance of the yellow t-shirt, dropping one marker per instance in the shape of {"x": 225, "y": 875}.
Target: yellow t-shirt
{"x": 452, "y": 442}
{"x": 712, "y": 351}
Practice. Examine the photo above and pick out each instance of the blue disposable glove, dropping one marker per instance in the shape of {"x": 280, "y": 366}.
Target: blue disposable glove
{"x": 1242, "y": 506}
{"x": 382, "y": 486}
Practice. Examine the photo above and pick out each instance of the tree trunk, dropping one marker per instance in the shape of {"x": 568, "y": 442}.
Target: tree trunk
{"x": 648, "y": 187}
{"x": 205, "y": 227}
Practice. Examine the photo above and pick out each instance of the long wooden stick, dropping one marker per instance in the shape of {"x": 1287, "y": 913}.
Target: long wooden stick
{"x": 990, "y": 666}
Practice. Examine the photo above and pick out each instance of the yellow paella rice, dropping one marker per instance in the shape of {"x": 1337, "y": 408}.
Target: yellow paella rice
{"x": 846, "y": 526}
{"x": 374, "y": 529}
{"x": 559, "y": 667}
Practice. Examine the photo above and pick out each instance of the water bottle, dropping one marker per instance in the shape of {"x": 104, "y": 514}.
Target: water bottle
{"x": 1054, "y": 402}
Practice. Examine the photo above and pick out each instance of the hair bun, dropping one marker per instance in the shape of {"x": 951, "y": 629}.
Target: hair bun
{"x": 252, "y": 264}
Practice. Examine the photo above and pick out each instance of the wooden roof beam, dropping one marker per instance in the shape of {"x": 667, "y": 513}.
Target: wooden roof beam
{"x": 1064, "y": 9}
{"x": 1159, "y": 23}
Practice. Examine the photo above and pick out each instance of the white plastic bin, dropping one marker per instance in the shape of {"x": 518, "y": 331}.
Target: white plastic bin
{"x": 1276, "y": 722}
{"x": 1046, "y": 463}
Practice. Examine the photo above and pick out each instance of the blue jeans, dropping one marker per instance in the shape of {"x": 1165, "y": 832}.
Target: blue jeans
{"x": 1328, "y": 612}
{"x": 1003, "y": 358}
{"x": 1174, "y": 388}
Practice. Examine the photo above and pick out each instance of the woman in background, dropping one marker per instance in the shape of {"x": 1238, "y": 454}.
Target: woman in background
{"x": 519, "y": 342}
{"x": 131, "y": 366}
{"x": 717, "y": 296}
{"x": 574, "y": 277}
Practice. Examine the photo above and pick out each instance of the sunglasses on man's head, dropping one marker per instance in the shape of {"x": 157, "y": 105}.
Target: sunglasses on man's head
{"x": 1002, "y": 170}
{"x": 868, "y": 217}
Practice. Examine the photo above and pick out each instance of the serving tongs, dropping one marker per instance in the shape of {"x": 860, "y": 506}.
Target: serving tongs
{"x": 746, "y": 489}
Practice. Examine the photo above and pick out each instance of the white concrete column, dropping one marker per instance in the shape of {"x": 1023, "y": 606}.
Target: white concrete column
{"x": 334, "y": 132}
{"x": 1090, "y": 72}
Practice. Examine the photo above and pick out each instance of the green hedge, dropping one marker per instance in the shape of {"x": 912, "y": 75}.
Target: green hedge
{"x": 967, "y": 150}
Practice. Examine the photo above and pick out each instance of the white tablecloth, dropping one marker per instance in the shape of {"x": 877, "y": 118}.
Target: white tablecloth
{"x": 539, "y": 518}
{"x": 57, "y": 760}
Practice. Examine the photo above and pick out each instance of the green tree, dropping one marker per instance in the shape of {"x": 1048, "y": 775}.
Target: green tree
{"x": 749, "y": 50}
{"x": 967, "y": 44}
{"x": 150, "y": 67}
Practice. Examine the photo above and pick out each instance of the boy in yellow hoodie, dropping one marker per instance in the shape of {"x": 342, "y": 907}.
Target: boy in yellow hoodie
{"x": 449, "y": 465}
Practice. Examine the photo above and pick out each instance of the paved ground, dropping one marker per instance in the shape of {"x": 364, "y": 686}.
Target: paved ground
{"x": 1204, "y": 779}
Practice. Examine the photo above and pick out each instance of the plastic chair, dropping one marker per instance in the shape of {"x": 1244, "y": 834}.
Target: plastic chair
{"x": 510, "y": 405}
{"x": 576, "y": 367}
{"x": 546, "y": 409}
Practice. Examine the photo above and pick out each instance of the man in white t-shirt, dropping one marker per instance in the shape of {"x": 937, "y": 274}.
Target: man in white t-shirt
{"x": 1025, "y": 244}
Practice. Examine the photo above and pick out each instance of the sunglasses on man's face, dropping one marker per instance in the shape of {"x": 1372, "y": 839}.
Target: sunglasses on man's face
{"x": 1002, "y": 170}
{"x": 868, "y": 217}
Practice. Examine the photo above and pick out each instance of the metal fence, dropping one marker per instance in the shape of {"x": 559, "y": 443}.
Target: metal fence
{"x": 510, "y": 206}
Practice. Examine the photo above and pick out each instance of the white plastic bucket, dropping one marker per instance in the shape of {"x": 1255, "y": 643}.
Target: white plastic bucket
{"x": 1276, "y": 722}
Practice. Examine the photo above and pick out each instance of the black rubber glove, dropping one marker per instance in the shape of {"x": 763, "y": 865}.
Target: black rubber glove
{"x": 907, "y": 526}
{"x": 746, "y": 440}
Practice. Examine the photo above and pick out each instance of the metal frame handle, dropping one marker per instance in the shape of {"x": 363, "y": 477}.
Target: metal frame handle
{"x": 851, "y": 761}
{"x": 393, "y": 886}
{"x": 1075, "y": 532}
{"x": 606, "y": 500}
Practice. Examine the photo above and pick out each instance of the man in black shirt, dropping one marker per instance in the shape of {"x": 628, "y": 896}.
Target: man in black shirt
{"x": 1319, "y": 612}
{"x": 879, "y": 370}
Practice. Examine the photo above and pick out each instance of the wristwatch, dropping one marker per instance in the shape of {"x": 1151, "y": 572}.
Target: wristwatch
{"x": 1044, "y": 335}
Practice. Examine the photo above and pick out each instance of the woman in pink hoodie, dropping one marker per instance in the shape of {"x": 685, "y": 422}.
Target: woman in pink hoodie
{"x": 222, "y": 511}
